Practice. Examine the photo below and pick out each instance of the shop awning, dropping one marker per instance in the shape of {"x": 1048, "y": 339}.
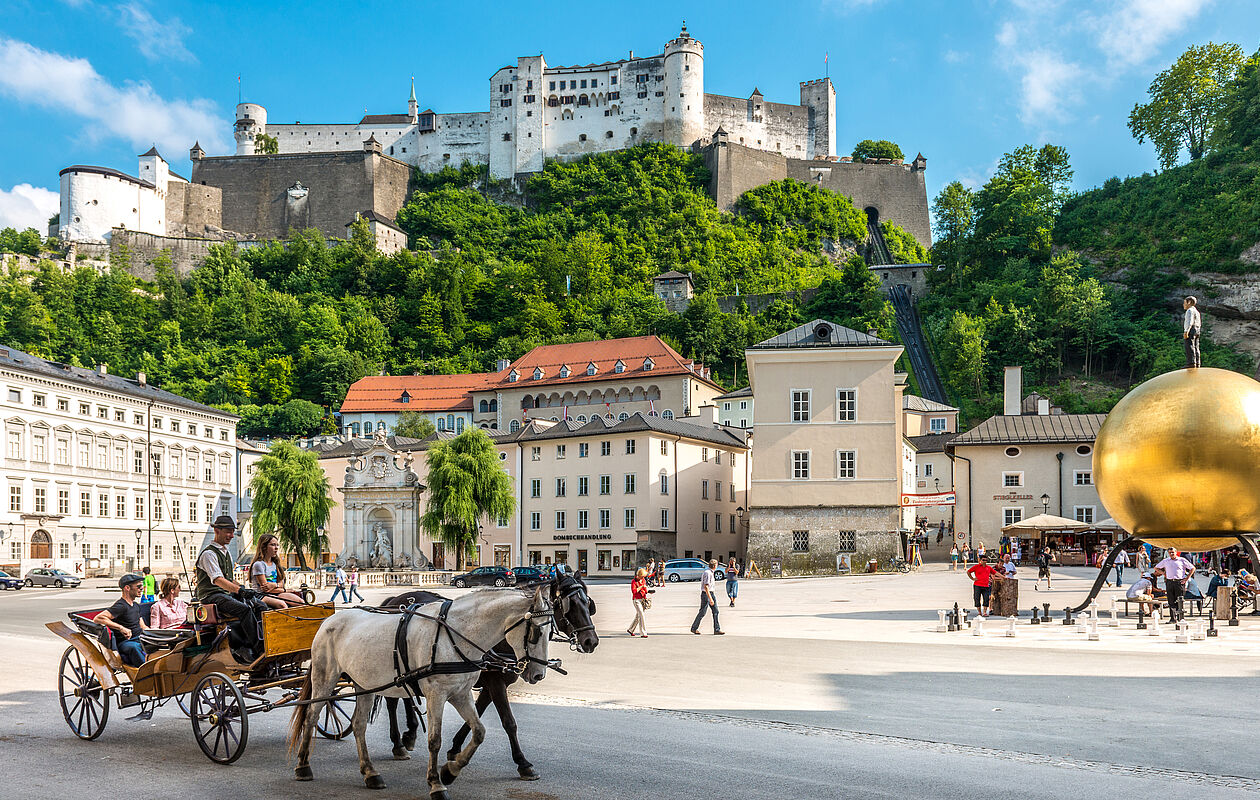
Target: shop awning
{"x": 1045, "y": 522}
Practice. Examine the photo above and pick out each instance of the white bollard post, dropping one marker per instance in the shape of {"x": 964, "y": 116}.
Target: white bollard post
{"x": 1115, "y": 611}
{"x": 1199, "y": 633}
{"x": 1153, "y": 630}
{"x": 963, "y": 622}
{"x": 1183, "y": 633}
{"x": 977, "y": 626}
{"x": 942, "y": 626}
{"x": 1082, "y": 621}
{"x": 1093, "y": 609}
{"x": 1010, "y": 627}
{"x": 1093, "y": 629}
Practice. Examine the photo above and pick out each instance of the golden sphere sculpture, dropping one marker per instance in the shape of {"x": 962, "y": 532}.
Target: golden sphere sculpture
{"x": 1177, "y": 461}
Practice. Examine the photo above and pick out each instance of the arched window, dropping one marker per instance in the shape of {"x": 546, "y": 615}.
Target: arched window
{"x": 380, "y": 425}
{"x": 494, "y": 406}
{"x": 667, "y": 414}
{"x": 623, "y": 416}
{"x": 450, "y": 422}
{"x": 581, "y": 137}
{"x": 459, "y": 425}
{"x": 581, "y": 418}
{"x": 441, "y": 424}
{"x": 354, "y": 429}
{"x": 514, "y": 426}
{"x": 494, "y": 426}
{"x": 484, "y": 407}
{"x": 608, "y": 134}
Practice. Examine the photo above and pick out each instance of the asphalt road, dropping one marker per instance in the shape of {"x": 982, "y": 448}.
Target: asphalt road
{"x": 802, "y": 699}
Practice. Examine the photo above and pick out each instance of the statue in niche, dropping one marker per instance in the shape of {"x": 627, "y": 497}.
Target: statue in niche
{"x": 382, "y": 548}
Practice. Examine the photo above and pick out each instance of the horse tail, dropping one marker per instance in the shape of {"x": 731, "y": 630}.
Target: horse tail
{"x": 300, "y": 713}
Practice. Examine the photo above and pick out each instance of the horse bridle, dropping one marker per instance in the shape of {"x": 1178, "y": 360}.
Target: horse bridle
{"x": 568, "y": 589}
{"x": 533, "y": 635}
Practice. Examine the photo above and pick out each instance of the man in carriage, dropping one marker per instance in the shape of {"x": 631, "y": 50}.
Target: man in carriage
{"x": 215, "y": 587}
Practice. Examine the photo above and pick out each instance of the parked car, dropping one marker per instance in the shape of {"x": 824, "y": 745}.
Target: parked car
{"x": 531, "y": 575}
{"x": 7, "y": 581}
{"x": 690, "y": 569}
{"x": 51, "y": 577}
{"x": 485, "y": 576}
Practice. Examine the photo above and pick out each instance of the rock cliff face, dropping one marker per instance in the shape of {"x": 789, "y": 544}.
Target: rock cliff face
{"x": 1230, "y": 306}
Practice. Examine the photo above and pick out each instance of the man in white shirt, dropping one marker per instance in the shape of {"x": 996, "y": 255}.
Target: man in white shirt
{"x": 1143, "y": 590}
{"x": 706, "y": 600}
{"x": 1176, "y": 570}
{"x": 1192, "y": 324}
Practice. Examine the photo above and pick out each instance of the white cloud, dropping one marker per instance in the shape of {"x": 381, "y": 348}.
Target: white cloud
{"x": 156, "y": 40}
{"x": 132, "y": 111}
{"x": 1133, "y": 32}
{"x": 1048, "y": 87}
{"x": 25, "y": 206}
{"x": 955, "y": 57}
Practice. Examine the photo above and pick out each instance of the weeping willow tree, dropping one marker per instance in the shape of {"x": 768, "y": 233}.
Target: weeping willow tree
{"x": 466, "y": 483}
{"x": 292, "y": 499}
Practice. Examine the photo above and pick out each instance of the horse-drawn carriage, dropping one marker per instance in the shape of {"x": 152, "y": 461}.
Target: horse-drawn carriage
{"x": 193, "y": 666}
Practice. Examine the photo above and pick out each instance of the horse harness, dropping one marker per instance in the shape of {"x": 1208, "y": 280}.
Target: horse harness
{"x": 569, "y": 589}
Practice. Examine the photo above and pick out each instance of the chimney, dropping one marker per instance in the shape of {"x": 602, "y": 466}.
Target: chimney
{"x": 142, "y": 379}
{"x": 1043, "y": 407}
{"x": 102, "y": 368}
{"x": 708, "y": 416}
{"x": 501, "y": 365}
{"x": 1012, "y": 390}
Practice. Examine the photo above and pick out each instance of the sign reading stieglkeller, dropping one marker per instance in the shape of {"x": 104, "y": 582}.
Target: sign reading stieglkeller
{"x": 570, "y": 537}
{"x": 1012, "y": 497}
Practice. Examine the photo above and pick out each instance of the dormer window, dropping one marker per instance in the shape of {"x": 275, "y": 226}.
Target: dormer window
{"x": 406, "y": 396}
{"x": 648, "y": 363}
{"x": 591, "y": 369}
{"x": 513, "y": 376}
{"x": 564, "y": 371}
{"x": 538, "y": 373}
{"x": 620, "y": 367}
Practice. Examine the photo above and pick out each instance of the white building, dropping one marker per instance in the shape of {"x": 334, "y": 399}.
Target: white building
{"x": 95, "y": 200}
{"x": 539, "y": 111}
{"x": 104, "y": 472}
{"x": 735, "y": 408}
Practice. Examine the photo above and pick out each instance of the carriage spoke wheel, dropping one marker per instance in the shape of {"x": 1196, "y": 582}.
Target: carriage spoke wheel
{"x": 184, "y": 701}
{"x": 333, "y": 721}
{"x": 219, "y": 719}
{"x": 84, "y": 703}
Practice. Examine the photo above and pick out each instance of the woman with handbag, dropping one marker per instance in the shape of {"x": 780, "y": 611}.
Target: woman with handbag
{"x": 639, "y": 596}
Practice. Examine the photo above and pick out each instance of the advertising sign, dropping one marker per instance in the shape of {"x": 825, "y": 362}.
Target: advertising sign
{"x": 932, "y": 499}
{"x": 776, "y": 567}
{"x": 844, "y": 563}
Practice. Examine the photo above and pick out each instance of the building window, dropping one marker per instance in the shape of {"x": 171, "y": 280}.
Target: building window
{"x": 800, "y": 465}
{"x": 1012, "y": 452}
{"x": 1083, "y": 477}
{"x": 623, "y": 416}
{"x": 605, "y": 448}
{"x": 120, "y": 551}
{"x": 1084, "y": 514}
{"x": 704, "y": 521}
{"x": 584, "y": 449}
{"x": 85, "y": 504}
{"x": 605, "y": 519}
{"x": 514, "y": 426}
{"x": 1083, "y": 450}
{"x": 561, "y": 450}
{"x": 15, "y": 498}
{"x": 667, "y": 414}
{"x": 584, "y": 520}
{"x": 138, "y": 465}
{"x": 561, "y": 486}
{"x": 717, "y": 457}
{"x": 717, "y": 523}
{"x": 63, "y": 405}
{"x": 560, "y": 520}
{"x": 535, "y": 521}
{"x": 85, "y": 409}
{"x": 664, "y": 519}
{"x": 717, "y": 491}
{"x": 927, "y": 470}
{"x": 39, "y": 400}
{"x": 120, "y": 506}
{"x": 629, "y": 518}
{"x": 846, "y": 465}
{"x": 664, "y": 447}
{"x": 629, "y": 447}
{"x": 1012, "y": 479}
{"x": 175, "y": 510}
{"x": 102, "y": 504}
{"x": 846, "y": 405}
{"x": 86, "y": 551}
{"x": 156, "y": 464}
{"x": 1012, "y": 515}
{"x": 630, "y": 483}
{"x": 732, "y": 491}
{"x": 584, "y": 486}
{"x": 800, "y": 541}
{"x": 192, "y": 511}
{"x": 704, "y": 454}
{"x": 157, "y": 552}
{"x": 936, "y": 424}
{"x": 605, "y": 484}
{"x": 800, "y": 405}
{"x": 63, "y": 502}
{"x": 535, "y": 487}
{"x": 157, "y": 509}
{"x": 63, "y": 452}
{"x": 535, "y": 454}
{"x": 846, "y": 541}
{"x": 139, "y": 508}
{"x": 15, "y": 444}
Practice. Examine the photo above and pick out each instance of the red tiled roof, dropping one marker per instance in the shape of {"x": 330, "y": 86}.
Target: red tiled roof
{"x": 605, "y": 354}
{"x": 428, "y": 392}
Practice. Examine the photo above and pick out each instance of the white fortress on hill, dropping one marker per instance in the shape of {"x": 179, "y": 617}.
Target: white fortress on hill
{"x": 539, "y": 112}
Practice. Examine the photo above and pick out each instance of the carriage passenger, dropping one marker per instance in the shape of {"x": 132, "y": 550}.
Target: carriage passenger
{"x": 267, "y": 574}
{"x": 169, "y": 611}
{"x": 123, "y": 618}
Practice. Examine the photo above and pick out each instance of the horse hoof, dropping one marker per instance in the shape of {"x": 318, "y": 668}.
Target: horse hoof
{"x": 409, "y": 741}
{"x": 303, "y": 774}
{"x": 401, "y": 754}
{"x": 447, "y": 776}
{"x": 374, "y": 782}
{"x": 528, "y": 774}
{"x": 442, "y": 795}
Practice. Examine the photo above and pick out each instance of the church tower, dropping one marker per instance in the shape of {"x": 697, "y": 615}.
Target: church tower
{"x": 684, "y": 89}
{"x": 413, "y": 108}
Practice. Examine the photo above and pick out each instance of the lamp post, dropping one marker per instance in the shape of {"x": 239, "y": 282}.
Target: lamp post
{"x": 1045, "y": 504}
{"x": 139, "y": 534}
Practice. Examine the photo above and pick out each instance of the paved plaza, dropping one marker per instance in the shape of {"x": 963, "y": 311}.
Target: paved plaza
{"x": 833, "y": 687}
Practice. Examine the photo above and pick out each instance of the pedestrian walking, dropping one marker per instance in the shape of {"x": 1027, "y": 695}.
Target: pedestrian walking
{"x": 1192, "y": 324}
{"x": 1176, "y": 572}
{"x": 1122, "y": 561}
{"x": 639, "y": 597}
{"x": 340, "y": 576}
{"x": 982, "y": 576}
{"x": 1043, "y": 568}
{"x": 650, "y": 572}
{"x": 980, "y": 553}
{"x": 732, "y": 581}
{"x": 660, "y": 573}
{"x": 352, "y": 580}
{"x": 954, "y": 557}
{"x": 707, "y": 601}
{"x": 1143, "y": 558}
{"x": 149, "y": 593}
{"x": 1017, "y": 551}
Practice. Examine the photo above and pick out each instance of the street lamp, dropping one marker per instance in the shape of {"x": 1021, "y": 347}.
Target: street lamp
{"x": 1045, "y": 504}
{"x": 139, "y": 533}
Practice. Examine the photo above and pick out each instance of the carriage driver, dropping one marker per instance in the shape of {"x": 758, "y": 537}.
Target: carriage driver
{"x": 214, "y": 587}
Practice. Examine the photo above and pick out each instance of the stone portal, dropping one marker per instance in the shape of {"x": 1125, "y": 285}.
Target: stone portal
{"x": 381, "y": 494}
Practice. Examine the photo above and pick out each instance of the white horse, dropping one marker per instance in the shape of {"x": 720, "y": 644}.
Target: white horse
{"x": 360, "y": 644}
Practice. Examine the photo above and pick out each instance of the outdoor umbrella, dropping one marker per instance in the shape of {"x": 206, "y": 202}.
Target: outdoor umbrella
{"x": 1046, "y": 522}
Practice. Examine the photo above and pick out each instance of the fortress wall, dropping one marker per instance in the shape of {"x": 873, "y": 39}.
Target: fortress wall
{"x": 193, "y": 209}
{"x": 783, "y": 129}
{"x": 734, "y": 170}
{"x": 897, "y": 191}
{"x": 458, "y": 138}
{"x": 256, "y": 198}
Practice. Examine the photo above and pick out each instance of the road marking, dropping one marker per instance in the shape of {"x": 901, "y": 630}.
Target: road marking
{"x": 906, "y": 742}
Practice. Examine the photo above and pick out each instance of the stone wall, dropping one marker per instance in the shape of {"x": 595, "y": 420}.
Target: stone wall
{"x": 192, "y": 209}
{"x": 266, "y": 196}
{"x": 913, "y": 276}
{"x": 770, "y": 536}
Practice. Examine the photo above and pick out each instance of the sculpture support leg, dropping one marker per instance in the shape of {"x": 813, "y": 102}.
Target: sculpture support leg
{"x": 1250, "y": 547}
{"x": 1103, "y": 574}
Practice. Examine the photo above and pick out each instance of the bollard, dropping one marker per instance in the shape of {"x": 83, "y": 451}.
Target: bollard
{"x": 1010, "y": 627}
{"x": 1093, "y": 609}
{"x": 962, "y": 621}
{"x": 1093, "y": 628}
{"x": 1083, "y": 621}
{"x": 1141, "y": 617}
{"x": 1199, "y": 633}
{"x": 1035, "y": 619}
{"x": 1183, "y": 633}
{"x": 1154, "y": 629}
{"x": 941, "y": 625}
{"x": 1115, "y": 613}
{"x": 1067, "y": 616}
{"x": 1212, "y": 632}
{"x": 977, "y": 626}
{"x": 1233, "y": 611}
{"x": 1045, "y": 617}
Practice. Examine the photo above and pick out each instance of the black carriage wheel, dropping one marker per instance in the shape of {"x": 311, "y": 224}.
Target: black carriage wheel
{"x": 333, "y": 720}
{"x": 219, "y": 719}
{"x": 84, "y": 704}
{"x": 184, "y": 702}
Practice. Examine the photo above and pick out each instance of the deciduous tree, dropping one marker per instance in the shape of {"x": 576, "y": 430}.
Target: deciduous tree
{"x": 292, "y": 499}
{"x": 466, "y": 484}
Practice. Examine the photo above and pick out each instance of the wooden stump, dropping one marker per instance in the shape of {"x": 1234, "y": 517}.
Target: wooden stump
{"x": 1005, "y": 600}
{"x": 1224, "y": 598}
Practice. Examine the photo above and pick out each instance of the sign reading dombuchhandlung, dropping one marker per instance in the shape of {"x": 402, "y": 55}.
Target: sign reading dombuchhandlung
{"x": 933, "y": 499}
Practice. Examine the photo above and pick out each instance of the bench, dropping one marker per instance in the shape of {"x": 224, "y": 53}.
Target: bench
{"x": 1189, "y": 604}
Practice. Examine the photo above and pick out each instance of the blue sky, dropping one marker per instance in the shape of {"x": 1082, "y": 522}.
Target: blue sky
{"x": 98, "y": 81}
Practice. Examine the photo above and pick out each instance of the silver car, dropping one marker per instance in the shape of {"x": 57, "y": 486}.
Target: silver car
{"x": 51, "y": 577}
{"x": 691, "y": 569}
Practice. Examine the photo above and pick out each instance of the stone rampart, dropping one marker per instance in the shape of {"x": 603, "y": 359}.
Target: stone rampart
{"x": 873, "y": 529}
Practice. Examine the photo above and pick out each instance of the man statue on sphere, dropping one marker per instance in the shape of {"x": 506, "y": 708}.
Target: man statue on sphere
{"x": 1191, "y": 326}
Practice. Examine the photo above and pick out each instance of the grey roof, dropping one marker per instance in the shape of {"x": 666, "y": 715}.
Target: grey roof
{"x": 113, "y": 173}
{"x": 253, "y": 447}
{"x": 385, "y": 119}
{"x": 377, "y": 217}
{"x": 637, "y": 422}
{"x": 931, "y": 442}
{"x": 807, "y": 336}
{"x": 1033, "y": 429}
{"x": 673, "y": 273}
{"x": 152, "y": 152}
{"x": 399, "y": 443}
{"x": 912, "y": 402}
{"x": 25, "y": 362}
{"x": 745, "y": 392}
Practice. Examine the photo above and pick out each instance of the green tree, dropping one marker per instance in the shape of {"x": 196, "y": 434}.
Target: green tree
{"x": 962, "y": 354}
{"x": 1187, "y": 101}
{"x": 876, "y": 148}
{"x": 265, "y": 145}
{"x": 1240, "y": 117}
{"x": 414, "y": 424}
{"x": 466, "y": 484}
{"x": 954, "y": 219}
{"x": 297, "y": 418}
{"x": 293, "y": 500}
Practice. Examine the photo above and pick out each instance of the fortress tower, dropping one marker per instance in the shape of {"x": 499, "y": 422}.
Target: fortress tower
{"x": 684, "y": 89}
{"x": 820, "y": 97}
{"x": 251, "y": 120}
